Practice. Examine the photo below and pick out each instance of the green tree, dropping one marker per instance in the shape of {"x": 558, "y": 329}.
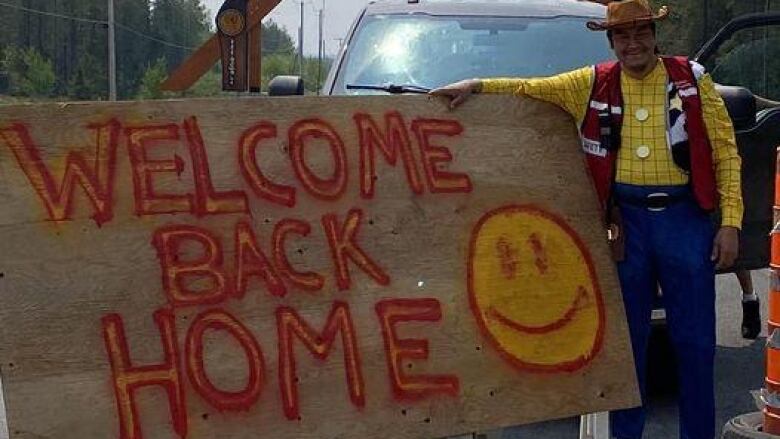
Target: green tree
{"x": 153, "y": 77}
{"x": 276, "y": 40}
{"x": 83, "y": 83}
{"x": 314, "y": 73}
{"x": 693, "y": 22}
{"x": 29, "y": 72}
{"x": 209, "y": 85}
{"x": 145, "y": 31}
{"x": 182, "y": 24}
{"x": 133, "y": 51}
{"x": 681, "y": 32}
{"x": 10, "y": 20}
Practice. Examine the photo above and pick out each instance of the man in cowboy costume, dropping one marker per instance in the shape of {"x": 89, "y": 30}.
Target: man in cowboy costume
{"x": 661, "y": 150}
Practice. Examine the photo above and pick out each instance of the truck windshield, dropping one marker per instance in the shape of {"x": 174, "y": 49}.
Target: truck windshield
{"x": 430, "y": 51}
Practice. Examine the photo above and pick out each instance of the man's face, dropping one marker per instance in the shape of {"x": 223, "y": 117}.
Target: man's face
{"x": 634, "y": 46}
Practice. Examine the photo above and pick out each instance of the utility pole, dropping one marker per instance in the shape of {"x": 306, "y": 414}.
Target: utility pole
{"x": 300, "y": 45}
{"x": 320, "y": 51}
{"x": 111, "y": 53}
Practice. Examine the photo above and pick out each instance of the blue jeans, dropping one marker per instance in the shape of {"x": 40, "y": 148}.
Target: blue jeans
{"x": 670, "y": 248}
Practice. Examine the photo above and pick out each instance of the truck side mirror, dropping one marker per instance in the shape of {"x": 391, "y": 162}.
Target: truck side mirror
{"x": 286, "y": 86}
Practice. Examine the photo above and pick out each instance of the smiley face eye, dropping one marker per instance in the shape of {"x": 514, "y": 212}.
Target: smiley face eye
{"x": 507, "y": 255}
{"x": 540, "y": 256}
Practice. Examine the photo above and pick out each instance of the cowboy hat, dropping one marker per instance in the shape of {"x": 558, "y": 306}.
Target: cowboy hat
{"x": 627, "y": 12}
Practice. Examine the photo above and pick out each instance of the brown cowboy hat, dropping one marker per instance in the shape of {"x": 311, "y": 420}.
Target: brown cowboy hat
{"x": 627, "y": 12}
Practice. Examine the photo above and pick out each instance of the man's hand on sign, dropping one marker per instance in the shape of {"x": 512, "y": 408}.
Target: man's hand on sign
{"x": 725, "y": 248}
{"x": 458, "y": 92}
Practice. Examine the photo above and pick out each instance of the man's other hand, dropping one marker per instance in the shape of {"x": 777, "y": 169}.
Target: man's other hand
{"x": 458, "y": 92}
{"x": 725, "y": 248}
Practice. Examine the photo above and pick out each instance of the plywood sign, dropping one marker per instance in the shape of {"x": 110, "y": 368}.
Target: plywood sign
{"x": 301, "y": 268}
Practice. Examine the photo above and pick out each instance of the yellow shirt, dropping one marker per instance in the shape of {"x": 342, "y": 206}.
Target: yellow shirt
{"x": 571, "y": 91}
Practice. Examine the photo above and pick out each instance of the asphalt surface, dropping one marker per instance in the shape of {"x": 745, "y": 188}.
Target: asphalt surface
{"x": 739, "y": 369}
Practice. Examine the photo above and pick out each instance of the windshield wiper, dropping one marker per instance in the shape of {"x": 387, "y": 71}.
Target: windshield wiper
{"x": 390, "y": 88}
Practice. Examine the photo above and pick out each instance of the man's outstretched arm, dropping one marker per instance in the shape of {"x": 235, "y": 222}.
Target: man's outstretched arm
{"x": 569, "y": 90}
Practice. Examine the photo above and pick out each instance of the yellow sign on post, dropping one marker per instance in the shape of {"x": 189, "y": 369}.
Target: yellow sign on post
{"x": 303, "y": 268}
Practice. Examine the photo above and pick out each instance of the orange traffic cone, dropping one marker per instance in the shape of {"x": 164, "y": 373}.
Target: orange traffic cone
{"x": 771, "y": 394}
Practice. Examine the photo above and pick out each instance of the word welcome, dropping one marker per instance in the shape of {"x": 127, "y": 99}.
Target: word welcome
{"x": 98, "y": 179}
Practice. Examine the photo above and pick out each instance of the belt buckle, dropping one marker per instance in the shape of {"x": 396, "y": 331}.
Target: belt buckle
{"x": 613, "y": 233}
{"x": 657, "y": 201}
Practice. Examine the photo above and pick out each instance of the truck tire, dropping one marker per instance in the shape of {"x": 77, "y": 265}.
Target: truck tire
{"x": 746, "y": 426}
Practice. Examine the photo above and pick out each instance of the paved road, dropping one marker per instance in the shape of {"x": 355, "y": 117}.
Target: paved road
{"x": 739, "y": 369}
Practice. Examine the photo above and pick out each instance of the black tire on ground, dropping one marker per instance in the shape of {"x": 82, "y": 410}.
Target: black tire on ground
{"x": 746, "y": 427}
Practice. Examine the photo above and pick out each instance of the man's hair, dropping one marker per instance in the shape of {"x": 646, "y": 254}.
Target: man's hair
{"x": 612, "y": 43}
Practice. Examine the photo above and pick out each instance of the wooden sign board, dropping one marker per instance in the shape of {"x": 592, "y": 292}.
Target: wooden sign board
{"x": 301, "y": 268}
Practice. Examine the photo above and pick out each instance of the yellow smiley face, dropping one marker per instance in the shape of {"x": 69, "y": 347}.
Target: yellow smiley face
{"x": 534, "y": 291}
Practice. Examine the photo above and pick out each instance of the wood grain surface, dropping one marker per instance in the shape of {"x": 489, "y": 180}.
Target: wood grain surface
{"x": 238, "y": 269}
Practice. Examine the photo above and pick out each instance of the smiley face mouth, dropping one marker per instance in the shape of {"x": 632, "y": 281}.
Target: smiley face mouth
{"x": 579, "y": 303}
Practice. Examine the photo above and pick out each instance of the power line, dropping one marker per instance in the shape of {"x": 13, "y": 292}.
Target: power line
{"x": 143, "y": 35}
{"x": 53, "y": 14}
{"x": 93, "y": 21}
{"x": 119, "y": 25}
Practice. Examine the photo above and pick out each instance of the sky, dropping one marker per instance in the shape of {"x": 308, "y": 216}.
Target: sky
{"x": 338, "y": 16}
